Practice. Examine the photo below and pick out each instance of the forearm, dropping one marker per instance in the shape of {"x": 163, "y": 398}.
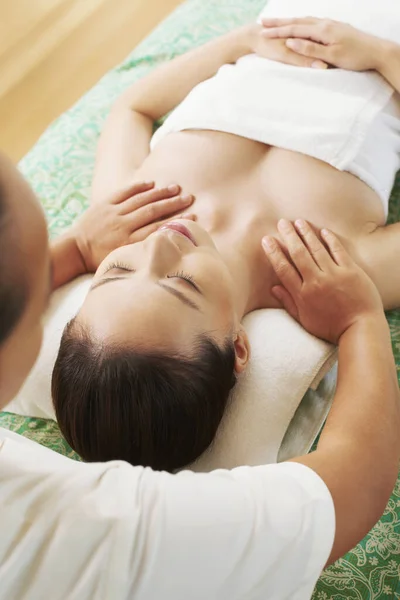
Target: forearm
{"x": 168, "y": 85}
{"x": 66, "y": 260}
{"x": 124, "y": 144}
{"x": 358, "y": 452}
{"x": 389, "y": 63}
{"x": 366, "y": 405}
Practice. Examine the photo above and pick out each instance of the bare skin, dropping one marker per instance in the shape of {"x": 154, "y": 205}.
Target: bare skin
{"x": 245, "y": 192}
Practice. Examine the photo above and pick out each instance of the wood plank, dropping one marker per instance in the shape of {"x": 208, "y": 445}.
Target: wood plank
{"x": 97, "y": 43}
{"x": 20, "y": 17}
{"x": 42, "y": 39}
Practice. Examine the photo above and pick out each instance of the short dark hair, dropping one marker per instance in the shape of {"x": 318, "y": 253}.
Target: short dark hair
{"x": 14, "y": 291}
{"x": 147, "y": 408}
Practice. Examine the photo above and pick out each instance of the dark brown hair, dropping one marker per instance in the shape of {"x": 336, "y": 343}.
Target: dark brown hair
{"x": 147, "y": 408}
{"x": 13, "y": 281}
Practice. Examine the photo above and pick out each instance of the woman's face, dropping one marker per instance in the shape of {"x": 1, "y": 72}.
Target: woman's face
{"x": 24, "y": 229}
{"x": 161, "y": 293}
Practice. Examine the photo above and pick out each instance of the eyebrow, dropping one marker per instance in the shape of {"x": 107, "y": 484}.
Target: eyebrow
{"x": 106, "y": 280}
{"x": 178, "y": 294}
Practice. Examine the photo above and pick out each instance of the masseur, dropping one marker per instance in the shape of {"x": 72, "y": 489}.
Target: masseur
{"x": 70, "y": 530}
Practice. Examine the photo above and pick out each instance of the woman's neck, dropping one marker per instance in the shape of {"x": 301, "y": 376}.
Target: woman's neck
{"x": 250, "y": 269}
{"x": 237, "y": 234}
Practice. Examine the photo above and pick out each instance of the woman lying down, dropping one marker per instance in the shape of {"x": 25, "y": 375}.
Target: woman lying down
{"x": 145, "y": 369}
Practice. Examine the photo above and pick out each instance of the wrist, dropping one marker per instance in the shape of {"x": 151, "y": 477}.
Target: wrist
{"x": 67, "y": 260}
{"x": 81, "y": 248}
{"x": 383, "y": 52}
{"x": 373, "y": 322}
{"x": 248, "y": 38}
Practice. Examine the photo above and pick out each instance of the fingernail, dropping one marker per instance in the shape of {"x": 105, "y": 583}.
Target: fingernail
{"x": 188, "y": 198}
{"x": 174, "y": 189}
{"x": 148, "y": 183}
{"x": 318, "y": 64}
{"x": 268, "y": 243}
{"x": 325, "y": 232}
{"x": 188, "y": 216}
{"x": 300, "y": 224}
{"x": 293, "y": 44}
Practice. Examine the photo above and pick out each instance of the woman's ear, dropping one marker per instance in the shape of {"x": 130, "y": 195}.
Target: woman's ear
{"x": 242, "y": 350}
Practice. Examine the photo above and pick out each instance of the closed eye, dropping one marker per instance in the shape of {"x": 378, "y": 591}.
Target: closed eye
{"x": 123, "y": 268}
{"x": 117, "y": 266}
{"x": 186, "y": 277}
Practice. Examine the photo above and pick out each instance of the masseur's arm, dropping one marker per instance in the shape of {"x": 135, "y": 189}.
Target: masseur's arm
{"x": 359, "y": 450}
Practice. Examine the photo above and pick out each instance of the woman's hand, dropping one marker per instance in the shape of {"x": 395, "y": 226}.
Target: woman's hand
{"x": 337, "y": 44}
{"x": 277, "y": 49}
{"x": 128, "y": 217}
{"x": 322, "y": 288}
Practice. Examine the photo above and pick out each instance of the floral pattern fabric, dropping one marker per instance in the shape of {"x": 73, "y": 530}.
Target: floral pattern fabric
{"x": 60, "y": 170}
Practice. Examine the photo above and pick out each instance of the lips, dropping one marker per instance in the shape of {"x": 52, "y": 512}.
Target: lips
{"x": 179, "y": 228}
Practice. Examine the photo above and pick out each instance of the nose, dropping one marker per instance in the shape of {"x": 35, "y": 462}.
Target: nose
{"x": 163, "y": 252}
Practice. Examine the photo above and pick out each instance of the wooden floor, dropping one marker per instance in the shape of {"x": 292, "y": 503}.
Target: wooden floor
{"x": 52, "y": 51}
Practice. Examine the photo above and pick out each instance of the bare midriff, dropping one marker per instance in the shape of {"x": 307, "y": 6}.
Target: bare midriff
{"x": 242, "y": 188}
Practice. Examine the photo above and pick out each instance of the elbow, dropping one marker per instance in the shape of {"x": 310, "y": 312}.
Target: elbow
{"x": 123, "y": 109}
{"x": 133, "y": 102}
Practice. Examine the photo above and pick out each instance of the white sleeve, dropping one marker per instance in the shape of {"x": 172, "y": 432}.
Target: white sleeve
{"x": 78, "y": 531}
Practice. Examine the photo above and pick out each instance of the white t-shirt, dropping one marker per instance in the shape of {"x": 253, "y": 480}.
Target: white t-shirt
{"x": 74, "y": 531}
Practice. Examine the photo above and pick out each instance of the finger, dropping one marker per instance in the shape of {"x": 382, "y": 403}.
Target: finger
{"x": 298, "y": 60}
{"x": 160, "y": 210}
{"x": 286, "y": 272}
{"x": 304, "y": 32}
{"x": 285, "y": 22}
{"x": 317, "y": 250}
{"x": 336, "y": 249}
{"x": 318, "y": 52}
{"x": 286, "y": 300}
{"x": 135, "y": 202}
{"x": 298, "y": 251}
{"x": 188, "y": 216}
{"x": 132, "y": 190}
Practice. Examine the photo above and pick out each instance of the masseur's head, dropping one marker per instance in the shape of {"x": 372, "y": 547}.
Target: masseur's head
{"x": 145, "y": 370}
{"x": 24, "y": 279}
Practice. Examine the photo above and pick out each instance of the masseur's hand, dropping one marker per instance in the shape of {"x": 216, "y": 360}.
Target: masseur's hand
{"x": 277, "y": 49}
{"x": 322, "y": 287}
{"x": 128, "y": 217}
{"x": 337, "y": 44}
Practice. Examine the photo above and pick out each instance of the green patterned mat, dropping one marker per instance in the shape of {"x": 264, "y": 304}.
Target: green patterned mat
{"x": 60, "y": 169}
